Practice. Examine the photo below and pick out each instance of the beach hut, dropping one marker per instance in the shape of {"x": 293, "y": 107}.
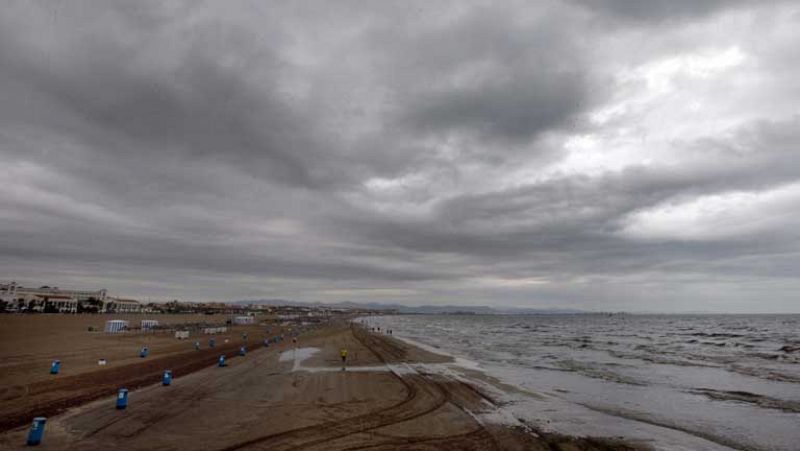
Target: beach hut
{"x": 149, "y": 324}
{"x": 181, "y": 334}
{"x": 116, "y": 325}
{"x": 215, "y": 330}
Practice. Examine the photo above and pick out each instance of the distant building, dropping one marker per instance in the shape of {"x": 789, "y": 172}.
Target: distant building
{"x": 52, "y": 299}
{"x": 118, "y": 305}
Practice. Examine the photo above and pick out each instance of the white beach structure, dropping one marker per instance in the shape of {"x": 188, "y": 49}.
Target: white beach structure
{"x": 243, "y": 320}
{"x": 116, "y": 325}
{"x": 215, "y": 330}
{"x": 148, "y": 324}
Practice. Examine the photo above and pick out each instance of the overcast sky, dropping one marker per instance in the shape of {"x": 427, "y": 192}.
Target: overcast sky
{"x": 604, "y": 155}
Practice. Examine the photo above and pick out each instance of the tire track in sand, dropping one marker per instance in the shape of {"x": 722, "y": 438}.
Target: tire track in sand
{"x": 423, "y": 397}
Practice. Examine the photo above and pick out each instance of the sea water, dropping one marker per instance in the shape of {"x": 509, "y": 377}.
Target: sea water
{"x": 676, "y": 381}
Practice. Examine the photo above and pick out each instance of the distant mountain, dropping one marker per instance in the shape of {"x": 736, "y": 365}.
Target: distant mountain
{"x": 421, "y": 309}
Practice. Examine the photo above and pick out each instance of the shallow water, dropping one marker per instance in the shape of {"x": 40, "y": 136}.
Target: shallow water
{"x": 730, "y": 379}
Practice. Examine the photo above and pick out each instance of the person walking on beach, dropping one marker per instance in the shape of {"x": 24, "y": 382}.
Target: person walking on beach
{"x": 343, "y": 354}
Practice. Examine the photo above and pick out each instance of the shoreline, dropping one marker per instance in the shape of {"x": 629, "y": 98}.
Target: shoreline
{"x": 387, "y": 400}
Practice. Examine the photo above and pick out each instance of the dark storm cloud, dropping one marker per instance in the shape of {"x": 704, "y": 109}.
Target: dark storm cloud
{"x": 515, "y": 110}
{"x": 492, "y": 74}
{"x": 191, "y": 107}
{"x": 414, "y": 152}
{"x": 655, "y": 11}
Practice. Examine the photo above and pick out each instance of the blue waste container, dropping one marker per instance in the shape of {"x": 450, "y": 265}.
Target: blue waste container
{"x": 55, "y": 367}
{"x": 242, "y": 351}
{"x": 167, "y": 379}
{"x": 122, "y": 398}
{"x": 211, "y": 343}
{"x": 222, "y": 361}
{"x": 143, "y": 353}
{"x": 36, "y": 433}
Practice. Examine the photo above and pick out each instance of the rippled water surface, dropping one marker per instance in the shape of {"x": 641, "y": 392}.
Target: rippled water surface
{"x": 730, "y": 379}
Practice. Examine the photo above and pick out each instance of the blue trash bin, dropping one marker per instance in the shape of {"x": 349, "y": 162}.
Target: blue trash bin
{"x": 143, "y": 353}
{"x": 55, "y": 367}
{"x": 211, "y": 342}
{"x": 167, "y": 379}
{"x": 242, "y": 351}
{"x": 122, "y": 398}
{"x": 36, "y": 433}
{"x": 222, "y": 361}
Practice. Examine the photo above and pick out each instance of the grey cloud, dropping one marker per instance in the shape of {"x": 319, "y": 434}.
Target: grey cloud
{"x": 572, "y": 223}
{"x": 214, "y": 152}
{"x": 191, "y": 106}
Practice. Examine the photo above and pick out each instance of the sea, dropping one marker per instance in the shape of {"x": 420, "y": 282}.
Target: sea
{"x": 674, "y": 382}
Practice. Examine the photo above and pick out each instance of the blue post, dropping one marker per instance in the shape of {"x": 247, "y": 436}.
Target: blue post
{"x": 197, "y": 345}
{"x": 222, "y": 361}
{"x": 167, "y": 379}
{"x": 55, "y": 367}
{"x": 211, "y": 342}
{"x": 37, "y": 431}
{"x": 242, "y": 351}
{"x": 122, "y": 398}
{"x": 143, "y": 353}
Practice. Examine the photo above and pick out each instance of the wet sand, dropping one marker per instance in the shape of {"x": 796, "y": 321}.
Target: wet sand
{"x": 279, "y": 398}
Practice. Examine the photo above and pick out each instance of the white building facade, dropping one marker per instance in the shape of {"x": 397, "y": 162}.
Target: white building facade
{"x": 53, "y": 299}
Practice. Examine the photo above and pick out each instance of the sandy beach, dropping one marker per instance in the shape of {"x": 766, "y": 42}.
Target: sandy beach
{"x": 279, "y": 398}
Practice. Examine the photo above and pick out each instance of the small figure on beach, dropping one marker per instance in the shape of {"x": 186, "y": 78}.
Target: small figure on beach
{"x": 343, "y": 354}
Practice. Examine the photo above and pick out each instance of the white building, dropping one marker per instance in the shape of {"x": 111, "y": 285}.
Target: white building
{"x": 8, "y": 293}
{"x": 118, "y": 305}
{"x": 22, "y": 298}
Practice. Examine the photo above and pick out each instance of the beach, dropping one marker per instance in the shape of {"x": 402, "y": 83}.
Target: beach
{"x": 392, "y": 395}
